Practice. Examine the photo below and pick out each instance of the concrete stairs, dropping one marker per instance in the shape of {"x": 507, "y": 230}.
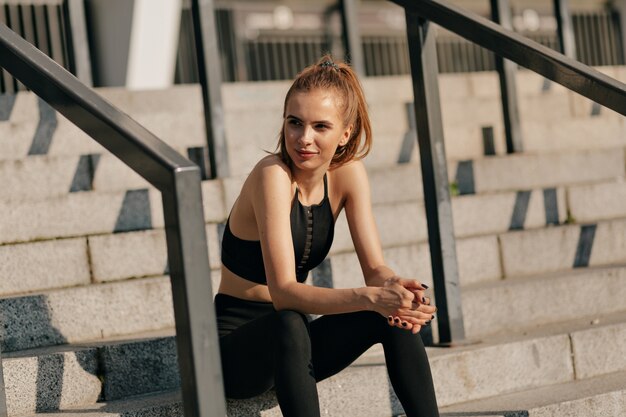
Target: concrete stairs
{"x": 86, "y": 322}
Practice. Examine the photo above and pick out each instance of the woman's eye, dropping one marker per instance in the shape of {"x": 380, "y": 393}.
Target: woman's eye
{"x": 321, "y": 126}
{"x": 293, "y": 122}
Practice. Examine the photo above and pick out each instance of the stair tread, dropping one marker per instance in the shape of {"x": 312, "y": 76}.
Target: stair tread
{"x": 547, "y": 395}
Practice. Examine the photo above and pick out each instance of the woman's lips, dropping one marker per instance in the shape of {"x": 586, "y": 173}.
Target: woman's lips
{"x": 306, "y": 154}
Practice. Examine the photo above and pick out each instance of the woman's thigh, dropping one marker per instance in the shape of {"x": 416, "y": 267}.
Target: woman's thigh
{"x": 248, "y": 359}
{"x": 338, "y": 340}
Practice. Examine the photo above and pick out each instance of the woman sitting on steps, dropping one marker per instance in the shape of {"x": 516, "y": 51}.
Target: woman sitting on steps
{"x": 281, "y": 227}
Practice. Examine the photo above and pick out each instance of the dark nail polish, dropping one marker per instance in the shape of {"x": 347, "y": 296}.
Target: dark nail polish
{"x": 404, "y": 324}
{"x": 423, "y": 299}
{"x": 428, "y": 323}
{"x": 432, "y": 317}
{"x": 390, "y": 319}
{"x": 397, "y": 320}
{"x": 425, "y": 286}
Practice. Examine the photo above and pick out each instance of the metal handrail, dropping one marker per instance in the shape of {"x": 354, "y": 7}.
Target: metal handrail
{"x": 423, "y": 57}
{"x": 553, "y": 65}
{"x": 177, "y": 178}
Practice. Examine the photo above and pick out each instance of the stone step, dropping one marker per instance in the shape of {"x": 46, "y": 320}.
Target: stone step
{"x": 525, "y": 303}
{"x": 597, "y": 397}
{"x": 88, "y": 213}
{"x": 91, "y": 312}
{"x": 553, "y": 249}
{"x": 487, "y": 249}
{"x": 461, "y": 374}
{"x": 165, "y": 404}
{"x": 175, "y": 115}
{"x": 41, "y": 177}
{"x": 52, "y": 321}
{"x": 32, "y": 127}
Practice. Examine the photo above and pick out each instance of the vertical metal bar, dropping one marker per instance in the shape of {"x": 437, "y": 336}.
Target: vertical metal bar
{"x": 620, "y": 7}
{"x": 6, "y": 77}
{"x": 209, "y": 73}
{"x": 56, "y": 40}
{"x": 351, "y": 35}
{"x": 16, "y": 26}
{"x": 80, "y": 63}
{"x": 3, "y": 396}
{"x": 501, "y": 13}
{"x": 565, "y": 28}
{"x": 424, "y": 73}
{"x": 196, "y": 327}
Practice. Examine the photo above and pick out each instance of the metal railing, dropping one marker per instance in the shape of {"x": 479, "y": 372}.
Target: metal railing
{"x": 385, "y": 52}
{"x": 179, "y": 182}
{"x": 57, "y": 28}
{"x": 508, "y": 45}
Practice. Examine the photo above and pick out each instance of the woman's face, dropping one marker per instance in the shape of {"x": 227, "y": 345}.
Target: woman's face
{"x": 314, "y": 128}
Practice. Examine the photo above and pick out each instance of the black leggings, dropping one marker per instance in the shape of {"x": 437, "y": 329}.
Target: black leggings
{"x": 263, "y": 348}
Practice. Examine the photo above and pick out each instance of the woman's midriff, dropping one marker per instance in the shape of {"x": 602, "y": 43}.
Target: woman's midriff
{"x": 236, "y": 286}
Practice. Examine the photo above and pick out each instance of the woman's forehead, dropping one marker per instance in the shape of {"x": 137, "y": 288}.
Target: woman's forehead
{"x": 314, "y": 101}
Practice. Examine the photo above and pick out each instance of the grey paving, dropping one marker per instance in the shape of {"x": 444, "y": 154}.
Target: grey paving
{"x": 85, "y": 313}
{"x": 594, "y": 397}
{"x": 592, "y": 202}
{"x": 462, "y": 374}
{"x": 43, "y": 265}
{"x": 517, "y": 304}
{"x": 51, "y": 381}
{"x": 90, "y": 213}
{"x": 559, "y": 248}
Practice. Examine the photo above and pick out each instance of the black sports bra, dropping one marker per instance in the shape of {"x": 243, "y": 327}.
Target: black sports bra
{"x": 312, "y": 231}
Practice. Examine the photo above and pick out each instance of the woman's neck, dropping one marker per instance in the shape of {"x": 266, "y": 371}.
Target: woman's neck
{"x": 309, "y": 184}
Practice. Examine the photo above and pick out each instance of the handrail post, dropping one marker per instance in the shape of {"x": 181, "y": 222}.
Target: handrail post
{"x": 351, "y": 35}
{"x": 620, "y": 7}
{"x": 501, "y": 14}
{"x": 3, "y": 395}
{"x": 209, "y": 73}
{"x": 424, "y": 73}
{"x": 81, "y": 63}
{"x": 196, "y": 326}
{"x": 565, "y": 28}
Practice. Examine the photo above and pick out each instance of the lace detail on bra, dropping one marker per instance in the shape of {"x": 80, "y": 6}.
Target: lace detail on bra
{"x": 309, "y": 239}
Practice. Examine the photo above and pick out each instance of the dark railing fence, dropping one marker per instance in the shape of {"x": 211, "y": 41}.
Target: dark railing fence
{"x": 57, "y": 27}
{"x": 178, "y": 179}
{"x": 278, "y": 54}
{"x": 509, "y": 45}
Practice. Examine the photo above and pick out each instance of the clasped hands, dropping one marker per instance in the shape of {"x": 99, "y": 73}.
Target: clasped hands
{"x": 404, "y": 304}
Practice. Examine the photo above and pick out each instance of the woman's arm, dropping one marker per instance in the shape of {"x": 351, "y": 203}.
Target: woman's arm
{"x": 354, "y": 184}
{"x": 271, "y": 197}
{"x": 271, "y": 201}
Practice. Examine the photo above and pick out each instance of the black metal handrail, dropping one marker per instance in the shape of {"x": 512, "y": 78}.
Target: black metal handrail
{"x": 178, "y": 179}
{"x": 423, "y": 57}
{"x": 553, "y": 65}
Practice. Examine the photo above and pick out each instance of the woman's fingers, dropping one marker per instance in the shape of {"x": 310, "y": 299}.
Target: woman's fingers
{"x": 412, "y": 284}
{"x": 406, "y": 324}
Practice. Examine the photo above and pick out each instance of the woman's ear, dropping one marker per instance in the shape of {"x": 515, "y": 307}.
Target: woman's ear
{"x": 345, "y": 138}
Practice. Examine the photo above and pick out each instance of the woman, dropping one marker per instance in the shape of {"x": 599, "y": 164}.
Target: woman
{"x": 280, "y": 227}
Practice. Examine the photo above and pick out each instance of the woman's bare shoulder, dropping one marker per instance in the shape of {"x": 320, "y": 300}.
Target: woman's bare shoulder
{"x": 349, "y": 175}
{"x": 269, "y": 176}
{"x": 272, "y": 168}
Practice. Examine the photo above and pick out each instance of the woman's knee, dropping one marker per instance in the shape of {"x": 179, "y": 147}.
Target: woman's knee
{"x": 291, "y": 330}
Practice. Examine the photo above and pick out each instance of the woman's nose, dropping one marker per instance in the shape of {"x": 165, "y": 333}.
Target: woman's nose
{"x": 307, "y": 136}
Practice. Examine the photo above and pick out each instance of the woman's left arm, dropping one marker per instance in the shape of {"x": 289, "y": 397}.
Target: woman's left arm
{"x": 354, "y": 185}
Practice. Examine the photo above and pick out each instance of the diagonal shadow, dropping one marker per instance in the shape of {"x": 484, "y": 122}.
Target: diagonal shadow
{"x": 26, "y": 323}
